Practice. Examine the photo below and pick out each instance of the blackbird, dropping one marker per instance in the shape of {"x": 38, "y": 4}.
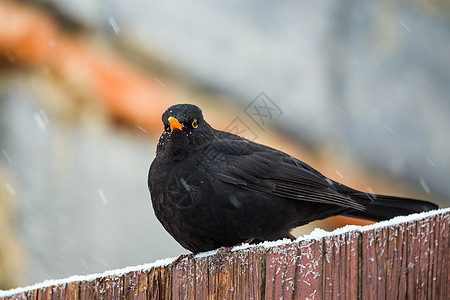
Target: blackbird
{"x": 211, "y": 188}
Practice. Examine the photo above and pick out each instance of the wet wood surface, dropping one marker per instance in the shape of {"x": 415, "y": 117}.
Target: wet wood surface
{"x": 403, "y": 261}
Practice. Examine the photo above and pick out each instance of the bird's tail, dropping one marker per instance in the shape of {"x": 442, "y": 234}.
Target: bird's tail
{"x": 381, "y": 207}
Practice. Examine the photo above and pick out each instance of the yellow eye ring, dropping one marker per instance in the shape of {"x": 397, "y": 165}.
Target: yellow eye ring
{"x": 194, "y": 123}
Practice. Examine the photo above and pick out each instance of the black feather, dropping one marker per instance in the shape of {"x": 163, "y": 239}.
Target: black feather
{"x": 211, "y": 188}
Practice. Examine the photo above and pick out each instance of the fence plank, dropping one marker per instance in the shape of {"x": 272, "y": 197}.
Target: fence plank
{"x": 183, "y": 286}
{"x": 443, "y": 257}
{"x": 396, "y": 263}
{"x": 159, "y": 281}
{"x": 226, "y": 275}
{"x": 131, "y": 285}
{"x": 340, "y": 261}
{"x": 294, "y": 271}
{"x": 86, "y": 290}
{"x": 369, "y": 276}
{"x": 72, "y": 290}
{"x": 236, "y": 275}
{"x": 113, "y": 286}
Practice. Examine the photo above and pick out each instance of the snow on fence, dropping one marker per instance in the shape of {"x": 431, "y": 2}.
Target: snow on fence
{"x": 404, "y": 258}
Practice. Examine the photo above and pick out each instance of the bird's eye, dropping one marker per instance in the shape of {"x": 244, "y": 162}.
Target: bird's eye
{"x": 194, "y": 123}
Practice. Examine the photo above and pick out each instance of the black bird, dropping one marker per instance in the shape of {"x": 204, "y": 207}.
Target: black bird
{"x": 211, "y": 188}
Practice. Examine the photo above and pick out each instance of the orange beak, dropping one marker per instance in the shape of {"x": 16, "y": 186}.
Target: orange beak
{"x": 175, "y": 124}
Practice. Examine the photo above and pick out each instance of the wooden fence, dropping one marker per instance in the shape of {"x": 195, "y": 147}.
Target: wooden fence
{"x": 406, "y": 259}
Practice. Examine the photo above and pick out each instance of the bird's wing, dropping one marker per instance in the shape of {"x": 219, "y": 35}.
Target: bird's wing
{"x": 263, "y": 169}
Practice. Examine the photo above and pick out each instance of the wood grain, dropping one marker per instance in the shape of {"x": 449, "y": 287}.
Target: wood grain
{"x": 341, "y": 259}
{"x": 294, "y": 271}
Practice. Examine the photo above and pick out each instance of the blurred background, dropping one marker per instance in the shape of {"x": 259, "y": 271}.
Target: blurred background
{"x": 360, "y": 90}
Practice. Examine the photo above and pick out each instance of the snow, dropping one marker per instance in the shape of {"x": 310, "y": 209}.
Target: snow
{"x": 117, "y": 272}
{"x": 160, "y": 83}
{"x": 41, "y": 119}
{"x": 406, "y": 27}
{"x": 6, "y": 155}
{"x": 424, "y": 185}
{"x": 431, "y": 162}
{"x": 207, "y": 253}
{"x": 102, "y": 196}
{"x": 316, "y": 234}
{"x": 114, "y": 25}
{"x": 9, "y": 188}
{"x": 319, "y": 233}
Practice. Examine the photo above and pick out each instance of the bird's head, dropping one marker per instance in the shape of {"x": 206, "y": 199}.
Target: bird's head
{"x": 185, "y": 130}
